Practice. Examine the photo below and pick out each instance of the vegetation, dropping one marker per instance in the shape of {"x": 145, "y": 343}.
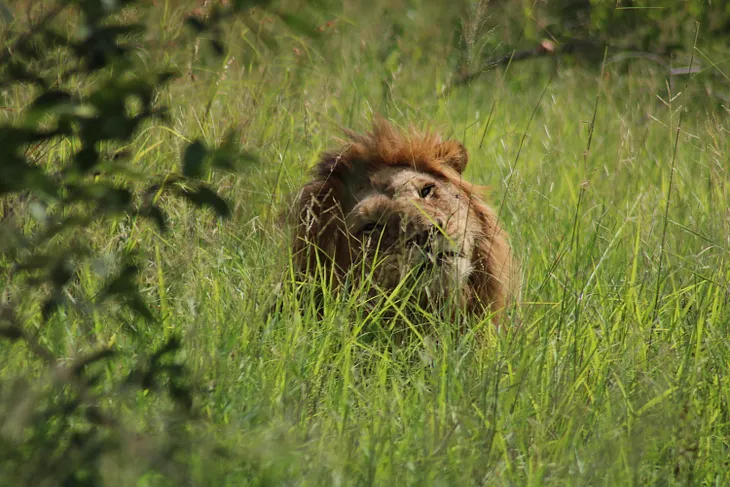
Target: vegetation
{"x": 611, "y": 179}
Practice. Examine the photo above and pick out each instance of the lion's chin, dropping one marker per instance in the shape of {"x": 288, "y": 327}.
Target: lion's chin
{"x": 439, "y": 274}
{"x": 439, "y": 279}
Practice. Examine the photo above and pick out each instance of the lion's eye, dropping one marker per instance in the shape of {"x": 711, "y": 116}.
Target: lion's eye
{"x": 370, "y": 227}
{"x": 427, "y": 190}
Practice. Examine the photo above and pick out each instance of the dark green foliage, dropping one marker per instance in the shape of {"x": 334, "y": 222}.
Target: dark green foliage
{"x": 193, "y": 159}
{"x": 58, "y": 426}
{"x": 651, "y": 25}
{"x": 593, "y": 34}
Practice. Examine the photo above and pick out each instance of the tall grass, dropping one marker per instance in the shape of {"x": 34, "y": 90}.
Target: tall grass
{"x": 612, "y": 369}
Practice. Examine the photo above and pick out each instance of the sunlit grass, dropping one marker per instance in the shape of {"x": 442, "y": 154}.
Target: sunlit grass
{"x": 588, "y": 382}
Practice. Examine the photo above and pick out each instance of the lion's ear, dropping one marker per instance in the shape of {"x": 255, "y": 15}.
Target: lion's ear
{"x": 454, "y": 155}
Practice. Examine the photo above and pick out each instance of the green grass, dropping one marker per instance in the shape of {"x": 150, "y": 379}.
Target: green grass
{"x": 612, "y": 367}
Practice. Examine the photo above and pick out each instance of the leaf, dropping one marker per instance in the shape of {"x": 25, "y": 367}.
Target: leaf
{"x": 249, "y": 156}
{"x": 124, "y": 287}
{"x": 299, "y": 25}
{"x": 50, "y": 306}
{"x": 155, "y": 213}
{"x": 11, "y": 332}
{"x": 35, "y": 262}
{"x": 12, "y": 138}
{"x": 124, "y": 283}
{"x": 102, "y": 47}
{"x": 122, "y": 154}
{"x": 171, "y": 345}
{"x": 204, "y": 196}
{"x": 166, "y": 76}
{"x": 193, "y": 159}
{"x": 113, "y": 124}
{"x": 18, "y": 73}
{"x": 115, "y": 200}
{"x": 118, "y": 30}
{"x": 50, "y": 99}
{"x": 228, "y": 153}
{"x": 182, "y": 396}
{"x": 86, "y": 158}
{"x": 81, "y": 363}
{"x": 108, "y": 198}
{"x": 246, "y": 4}
{"x": 61, "y": 273}
{"x": 218, "y": 47}
{"x": 194, "y": 22}
{"x": 18, "y": 175}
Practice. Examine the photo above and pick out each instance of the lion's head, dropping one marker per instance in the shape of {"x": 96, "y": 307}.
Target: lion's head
{"x": 394, "y": 207}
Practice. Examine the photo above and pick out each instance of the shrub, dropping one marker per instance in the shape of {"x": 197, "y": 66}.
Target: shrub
{"x": 64, "y": 171}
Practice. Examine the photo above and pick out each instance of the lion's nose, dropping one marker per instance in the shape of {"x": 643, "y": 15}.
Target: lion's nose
{"x": 423, "y": 237}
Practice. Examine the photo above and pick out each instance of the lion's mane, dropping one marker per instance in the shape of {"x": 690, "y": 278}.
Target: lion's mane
{"x": 320, "y": 240}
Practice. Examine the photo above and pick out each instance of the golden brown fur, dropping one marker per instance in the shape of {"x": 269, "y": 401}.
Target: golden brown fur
{"x": 401, "y": 197}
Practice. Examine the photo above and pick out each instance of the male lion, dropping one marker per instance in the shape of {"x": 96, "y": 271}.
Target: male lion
{"x": 392, "y": 207}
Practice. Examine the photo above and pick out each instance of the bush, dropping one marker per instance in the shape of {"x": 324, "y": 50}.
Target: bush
{"x": 664, "y": 33}
{"x": 65, "y": 170}
{"x": 655, "y": 26}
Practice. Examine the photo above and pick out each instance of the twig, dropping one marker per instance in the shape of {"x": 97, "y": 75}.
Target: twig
{"x": 543, "y": 49}
{"x": 547, "y": 48}
{"x": 622, "y": 56}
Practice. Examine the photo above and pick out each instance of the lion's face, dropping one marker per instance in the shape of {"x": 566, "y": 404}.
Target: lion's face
{"x": 393, "y": 208}
{"x": 407, "y": 225}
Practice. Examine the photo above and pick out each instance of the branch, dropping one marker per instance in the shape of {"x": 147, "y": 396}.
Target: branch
{"x": 548, "y": 48}
{"x": 545, "y": 48}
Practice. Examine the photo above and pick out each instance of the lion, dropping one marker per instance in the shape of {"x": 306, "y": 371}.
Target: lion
{"x": 391, "y": 206}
